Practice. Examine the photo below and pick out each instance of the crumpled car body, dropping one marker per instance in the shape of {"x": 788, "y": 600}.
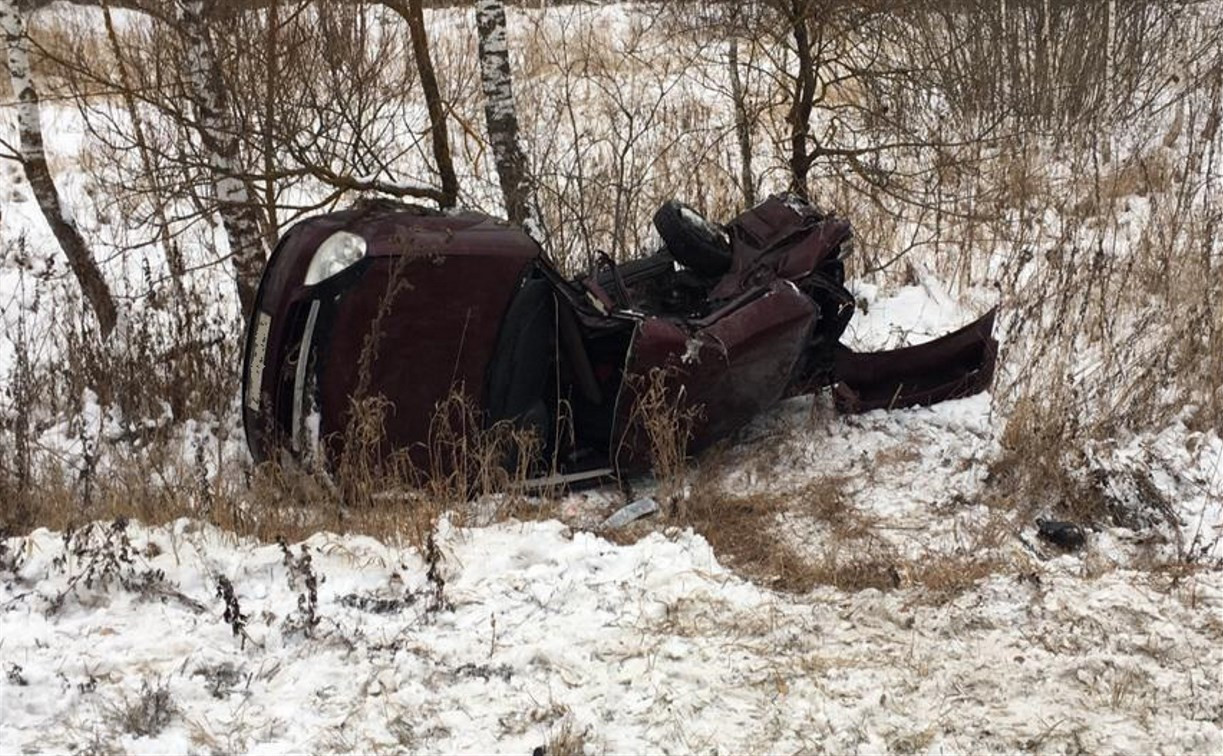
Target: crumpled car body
{"x": 413, "y": 306}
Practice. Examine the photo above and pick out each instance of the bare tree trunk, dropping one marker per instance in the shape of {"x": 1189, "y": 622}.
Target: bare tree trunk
{"x": 742, "y": 127}
{"x": 802, "y": 103}
{"x": 1107, "y": 108}
{"x": 1042, "y": 84}
{"x": 411, "y": 12}
{"x": 219, "y": 136}
{"x": 269, "y": 119}
{"x": 34, "y": 160}
{"x": 499, "y": 112}
{"x": 174, "y": 255}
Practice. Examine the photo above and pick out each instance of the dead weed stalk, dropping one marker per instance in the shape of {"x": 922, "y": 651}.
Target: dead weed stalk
{"x": 662, "y": 413}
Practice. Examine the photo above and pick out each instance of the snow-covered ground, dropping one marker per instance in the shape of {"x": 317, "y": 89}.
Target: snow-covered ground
{"x": 651, "y": 647}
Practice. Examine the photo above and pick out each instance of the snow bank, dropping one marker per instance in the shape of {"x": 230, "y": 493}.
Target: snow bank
{"x": 647, "y": 647}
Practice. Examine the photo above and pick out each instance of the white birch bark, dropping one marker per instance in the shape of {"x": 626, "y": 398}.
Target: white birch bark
{"x": 34, "y": 161}
{"x": 500, "y": 115}
{"x": 219, "y": 136}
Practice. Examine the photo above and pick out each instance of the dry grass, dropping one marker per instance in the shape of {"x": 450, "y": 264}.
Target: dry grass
{"x": 391, "y": 500}
{"x": 1044, "y": 468}
{"x": 664, "y": 417}
{"x": 1035, "y": 471}
{"x": 945, "y": 577}
{"x": 749, "y": 535}
{"x": 148, "y": 714}
{"x": 741, "y": 530}
{"x": 564, "y": 740}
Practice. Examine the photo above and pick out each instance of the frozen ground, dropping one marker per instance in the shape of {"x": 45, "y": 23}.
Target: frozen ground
{"x": 647, "y": 647}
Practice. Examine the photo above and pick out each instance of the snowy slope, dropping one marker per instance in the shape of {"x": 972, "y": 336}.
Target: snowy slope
{"x": 648, "y": 647}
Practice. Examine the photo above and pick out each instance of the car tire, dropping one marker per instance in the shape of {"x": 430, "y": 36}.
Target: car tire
{"x": 693, "y": 241}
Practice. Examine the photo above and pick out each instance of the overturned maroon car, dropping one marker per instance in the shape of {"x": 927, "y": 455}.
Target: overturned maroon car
{"x": 413, "y": 305}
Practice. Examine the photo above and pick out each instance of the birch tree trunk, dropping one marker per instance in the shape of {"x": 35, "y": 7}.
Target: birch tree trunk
{"x": 34, "y": 160}
{"x": 499, "y": 111}
{"x": 219, "y": 137}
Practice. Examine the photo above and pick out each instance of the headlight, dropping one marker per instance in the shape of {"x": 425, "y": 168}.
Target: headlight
{"x": 339, "y": 251}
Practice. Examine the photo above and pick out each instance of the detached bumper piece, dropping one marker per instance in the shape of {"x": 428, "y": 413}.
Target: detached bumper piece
{"x": 956, "y": 365}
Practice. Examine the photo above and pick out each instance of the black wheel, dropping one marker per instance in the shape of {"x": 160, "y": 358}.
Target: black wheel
{"x": 695, "y": 242}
